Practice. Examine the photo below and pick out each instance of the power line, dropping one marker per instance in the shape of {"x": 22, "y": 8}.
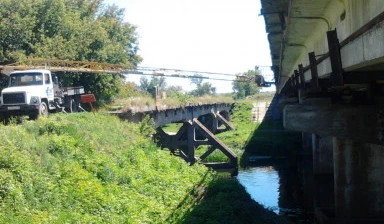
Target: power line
{"x": 189, "y": 76}
{"x": 181, "y": 70}
{"x": 180, "y": 73}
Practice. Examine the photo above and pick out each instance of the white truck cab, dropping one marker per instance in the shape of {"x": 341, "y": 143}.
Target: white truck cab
{"x": 34, "y": 93}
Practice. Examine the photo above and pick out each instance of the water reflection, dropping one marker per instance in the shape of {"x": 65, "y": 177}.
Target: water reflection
{"x": 262, "y": 183}
{"x": 284, "y": 190}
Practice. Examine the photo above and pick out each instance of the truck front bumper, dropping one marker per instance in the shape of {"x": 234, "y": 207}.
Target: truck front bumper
{"x": 18, "y": 110}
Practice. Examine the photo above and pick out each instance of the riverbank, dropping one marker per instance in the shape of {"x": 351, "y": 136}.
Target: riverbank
{"x": 85, "y": 168}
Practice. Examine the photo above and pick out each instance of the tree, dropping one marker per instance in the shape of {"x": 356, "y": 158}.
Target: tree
{"x": 79, "y": 30}
{"x": 149, "y": 86}
{"x": 242, "y": 87}
{"x": 197, "y": 79}
{"x": 205, "y": 88}
{"x": 171, "y": 90}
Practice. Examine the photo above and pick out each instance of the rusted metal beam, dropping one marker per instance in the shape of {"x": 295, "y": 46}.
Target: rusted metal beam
{"x": 216, "y": 142}
{"x": 65, "y": 65}
{"x": 227, "y": 124}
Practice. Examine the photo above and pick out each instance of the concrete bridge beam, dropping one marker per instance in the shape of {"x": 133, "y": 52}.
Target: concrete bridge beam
{"x": 361, "y": 123}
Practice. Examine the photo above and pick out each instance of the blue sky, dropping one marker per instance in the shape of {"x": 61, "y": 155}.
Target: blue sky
{"x": 225, "y": 36}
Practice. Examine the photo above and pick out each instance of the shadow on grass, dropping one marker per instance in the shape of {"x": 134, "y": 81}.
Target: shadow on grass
{"x": 226, "y": 201}
{"x": 270, "y": 140}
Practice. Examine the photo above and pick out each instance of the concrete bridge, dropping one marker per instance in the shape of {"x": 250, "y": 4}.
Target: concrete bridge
{"x": 200, "y": 123}
{"x": 328, "y": 61}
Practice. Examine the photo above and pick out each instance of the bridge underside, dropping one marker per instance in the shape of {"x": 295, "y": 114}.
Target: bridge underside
{"x": 328, "y": 61}
{"x": 193, "y": 134}
{"x": 200, "y": 123}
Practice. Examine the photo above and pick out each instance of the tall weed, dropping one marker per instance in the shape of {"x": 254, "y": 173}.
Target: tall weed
{"x": 81, "y": 168}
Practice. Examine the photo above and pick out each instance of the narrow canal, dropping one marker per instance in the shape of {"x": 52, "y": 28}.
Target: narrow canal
{"x": 285, "y": 190}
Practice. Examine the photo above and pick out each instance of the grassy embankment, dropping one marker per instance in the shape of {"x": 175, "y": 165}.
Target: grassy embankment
{"x": 81, "y": 168}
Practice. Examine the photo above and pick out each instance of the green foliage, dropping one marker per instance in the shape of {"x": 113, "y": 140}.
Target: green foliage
{"x": 181, "y": 98}
{"x": 66, "y": 29}
{"x": 80, "y": 30}
{"x": 244, "y": 89}
{"x": 237, "y": 139}
{"x": 81, "y": 168}
{"x": 202, "y": 88}
{"x": 147, "y": 126}
{"x": 149, "y": 85}
{"x": 129, "y": 89}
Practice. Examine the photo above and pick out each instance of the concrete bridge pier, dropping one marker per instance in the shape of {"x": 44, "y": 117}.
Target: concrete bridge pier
{"x": 348, "y": 154}
{"x": 359, "y": 182}
{"x": 329, "y": 54}
{"x": 323, "y": 175}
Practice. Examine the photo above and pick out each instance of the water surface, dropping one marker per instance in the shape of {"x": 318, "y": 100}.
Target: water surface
{"x": 262, "y": 183}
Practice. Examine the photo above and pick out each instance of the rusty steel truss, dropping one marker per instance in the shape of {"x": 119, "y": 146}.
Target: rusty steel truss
{"x": 63, "y": 66}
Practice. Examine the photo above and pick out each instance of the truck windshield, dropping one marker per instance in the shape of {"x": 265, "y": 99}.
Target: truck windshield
{"x": 26, "y": 79}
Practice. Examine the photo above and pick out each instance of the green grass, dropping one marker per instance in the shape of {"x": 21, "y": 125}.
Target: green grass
{"x": 81, "y": 168}
{"x": 85, "y": 168}
{"x": 226, "y": 201}
{"x": 172, "y": 127}
{"x": 236, "y": 139}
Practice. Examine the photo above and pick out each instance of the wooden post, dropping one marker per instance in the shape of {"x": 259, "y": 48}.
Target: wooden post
{"x": 334, "y": 55}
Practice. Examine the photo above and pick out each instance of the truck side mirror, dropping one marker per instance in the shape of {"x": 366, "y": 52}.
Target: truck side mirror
{"x": 55, "y": 80}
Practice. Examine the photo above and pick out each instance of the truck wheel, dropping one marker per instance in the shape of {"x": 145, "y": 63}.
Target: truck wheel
{"x": 73, "y": 106}
{"x": 43, "y": 110}
{"x": 4, "y": 117}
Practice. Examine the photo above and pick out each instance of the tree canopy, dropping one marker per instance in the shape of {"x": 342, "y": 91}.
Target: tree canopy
{"x": 81, "y": 30}
{"x": 243, "y": 89}
{"x": 202, "y": 88}
{"x": 149, "y": 85}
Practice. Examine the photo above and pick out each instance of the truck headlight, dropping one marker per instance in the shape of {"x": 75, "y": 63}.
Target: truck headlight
{"x": 34, "y": 100}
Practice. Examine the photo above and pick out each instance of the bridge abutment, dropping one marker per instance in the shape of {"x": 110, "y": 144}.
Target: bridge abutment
{"x": 348, "y": 154}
